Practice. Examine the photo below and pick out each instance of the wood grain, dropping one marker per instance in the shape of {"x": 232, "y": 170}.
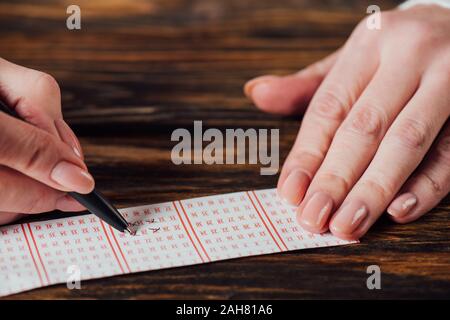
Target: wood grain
{"x": 139, "y": 69}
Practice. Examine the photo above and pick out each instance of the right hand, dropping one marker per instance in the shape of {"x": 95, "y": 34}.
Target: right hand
{"x": 40, "y": 159}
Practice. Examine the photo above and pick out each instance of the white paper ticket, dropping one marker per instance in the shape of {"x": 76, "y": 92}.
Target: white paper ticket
{"x": 170, "y": 234}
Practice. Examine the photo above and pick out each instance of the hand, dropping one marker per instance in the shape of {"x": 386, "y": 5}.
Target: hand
{"x": 40, "y": 159}
{"x": 376, "y": 133}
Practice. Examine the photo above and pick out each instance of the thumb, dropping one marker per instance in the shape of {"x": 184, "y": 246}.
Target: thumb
{"x": 42, "y": 156}
{"x": 290, "y": 94}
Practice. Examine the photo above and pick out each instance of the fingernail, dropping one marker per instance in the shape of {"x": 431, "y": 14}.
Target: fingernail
{"x": 316, "y": 211}
{"x": 68, "y": 136}
{"x": 72, "y": 177}
{"x": 402, "y": 205}
{"x": 349, "y": 217}
{"x": 294, "y": 187}
{"x": 252, "y": 84}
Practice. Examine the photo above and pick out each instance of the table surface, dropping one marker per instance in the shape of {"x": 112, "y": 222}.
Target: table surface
{"x": 139, "y": 69}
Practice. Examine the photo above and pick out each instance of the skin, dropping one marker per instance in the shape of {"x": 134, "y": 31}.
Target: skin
{"x": 375, "y": 134}
{"x": 40, "y": 159}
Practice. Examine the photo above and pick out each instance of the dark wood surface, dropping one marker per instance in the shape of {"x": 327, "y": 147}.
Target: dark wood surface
{"x": 139, "y": 69}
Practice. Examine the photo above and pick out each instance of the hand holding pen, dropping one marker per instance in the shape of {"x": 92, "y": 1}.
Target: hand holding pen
{"x": 40, "y": 157}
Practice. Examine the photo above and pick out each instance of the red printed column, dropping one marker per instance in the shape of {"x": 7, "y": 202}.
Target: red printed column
{"x": 80, "y": 242}
{"x": 228, "y": 226}
{"x": 19, "y": 270}
{"x": 161, "y": 240}
{"x": 282, "y": 218}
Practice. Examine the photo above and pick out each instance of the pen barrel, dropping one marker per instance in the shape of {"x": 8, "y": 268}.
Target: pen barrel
{"x": 99, "y": 206}
{"x": 95, "y": 202}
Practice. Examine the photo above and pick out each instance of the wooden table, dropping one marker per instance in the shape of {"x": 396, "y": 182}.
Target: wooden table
{"x": 139, "y": 69}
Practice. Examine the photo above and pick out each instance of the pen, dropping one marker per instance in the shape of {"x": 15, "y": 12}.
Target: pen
{"x": 95, "y": 202}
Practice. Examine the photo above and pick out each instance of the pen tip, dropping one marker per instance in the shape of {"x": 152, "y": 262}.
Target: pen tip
{"x": 129, "y": 231}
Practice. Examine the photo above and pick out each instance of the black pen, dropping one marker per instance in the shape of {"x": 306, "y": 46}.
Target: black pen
{"x": 95, "y": 202}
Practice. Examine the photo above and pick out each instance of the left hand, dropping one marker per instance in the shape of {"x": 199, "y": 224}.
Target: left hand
{"x": 376, "y": 133}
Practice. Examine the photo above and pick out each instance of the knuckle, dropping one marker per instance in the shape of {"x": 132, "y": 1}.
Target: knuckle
{"x": 335, "y": 179}
{"x": 433, "y": 184}
{"x": 369, "y": 122}
{"x": 330, "y": 105}
{"x": 422, "y": 34}
{"x": 38, "y": 148}
{"x": 300, "y": 156}
{"x": 388, "y": 17}
{"x": 363, "y": 34}
{"x": 27, "y": 111}
{"x": 421, "y": 29}
{"x": 412, "y": 134}
{"x": 384, "y": 190}
{"x": 48, "y": 84}
{"x": 443, "y": 150}
{"x": 307, "y": 160}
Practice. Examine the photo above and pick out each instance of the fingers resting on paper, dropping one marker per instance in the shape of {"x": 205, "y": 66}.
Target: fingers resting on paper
{"x": 429, "y": 184}
{"x": 368, "y": 141}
